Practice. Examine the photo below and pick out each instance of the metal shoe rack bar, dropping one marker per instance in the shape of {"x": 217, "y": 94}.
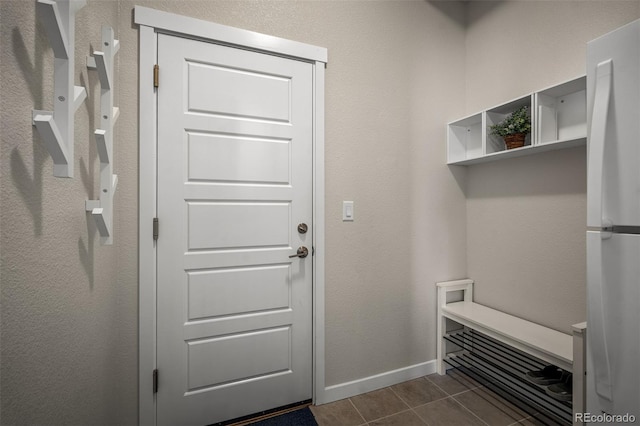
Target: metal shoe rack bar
{"x": 502, "y": 369}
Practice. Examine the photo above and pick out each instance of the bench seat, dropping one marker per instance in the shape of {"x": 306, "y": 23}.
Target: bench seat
{"x": 542, "y": 342}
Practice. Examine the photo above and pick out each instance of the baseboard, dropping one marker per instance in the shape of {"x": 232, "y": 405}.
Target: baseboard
{"x": 378, "y": 381}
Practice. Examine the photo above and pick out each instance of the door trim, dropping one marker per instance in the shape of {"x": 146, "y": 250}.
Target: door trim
{"x": 151, "y": 22}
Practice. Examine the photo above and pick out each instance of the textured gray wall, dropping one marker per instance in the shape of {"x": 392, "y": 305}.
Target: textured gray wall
{"x": 398, "y": 71}
{"x": 69, "y": 305}
{"x": 395, "y": 71}
{"x": 526, "y": 217}
{"x": 69, "y": 315}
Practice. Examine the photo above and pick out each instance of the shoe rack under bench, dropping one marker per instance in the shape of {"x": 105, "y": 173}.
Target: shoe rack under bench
{"x": 498, "y": 349}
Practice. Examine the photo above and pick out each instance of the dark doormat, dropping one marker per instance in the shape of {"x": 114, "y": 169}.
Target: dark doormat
{"x": 301, "y": 417}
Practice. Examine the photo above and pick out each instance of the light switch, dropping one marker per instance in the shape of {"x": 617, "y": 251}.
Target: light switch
{"x": 347, "y": 211}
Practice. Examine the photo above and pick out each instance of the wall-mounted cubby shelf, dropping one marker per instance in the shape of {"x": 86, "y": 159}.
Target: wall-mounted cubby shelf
{"x": 558, "y": 120}
{"x": 56, "y": 127}
{"x": 102, "y": 62}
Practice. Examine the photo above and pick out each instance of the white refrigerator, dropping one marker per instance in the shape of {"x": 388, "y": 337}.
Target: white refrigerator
{"x": 613, "y": 225}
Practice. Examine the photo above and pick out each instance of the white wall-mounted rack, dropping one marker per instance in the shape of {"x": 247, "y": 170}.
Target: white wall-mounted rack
{"x": 102, "y": 62}
{"x": 56, "y": 127}
{"x": 558, "y": 120}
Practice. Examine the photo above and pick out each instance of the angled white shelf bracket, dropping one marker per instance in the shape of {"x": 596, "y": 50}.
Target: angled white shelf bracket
{"x": 56, "y": 127}
{"x": 102, "y": 62}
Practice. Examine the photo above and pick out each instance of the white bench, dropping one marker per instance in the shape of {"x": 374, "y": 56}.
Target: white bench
{"x": 551, "y": 346}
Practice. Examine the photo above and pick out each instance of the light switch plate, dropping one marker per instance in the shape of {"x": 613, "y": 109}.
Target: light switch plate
{"x": 347, "y": 211}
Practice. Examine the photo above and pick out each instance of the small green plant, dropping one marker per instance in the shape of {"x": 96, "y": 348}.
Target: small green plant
{"x": 518, "y": 121}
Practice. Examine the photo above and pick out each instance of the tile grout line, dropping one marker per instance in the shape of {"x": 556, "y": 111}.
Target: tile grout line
{"x": 447, "y": 395}
{"x": 507, "y": 408}
{"x": 454, "y": 399}
{"x": 400, "y": 398}
{"x": 469, "y": 410}
{"x": 529, "y": 417}
{"x": 367, "y": 422}
{"x": 410, "y": 407}
{"x": 453, "y": 394}
{"x": 358, "y": 411}
{"x": 391, "y": 415}
{"x": 436, "y": 385}
{"x": 420, "y": 417}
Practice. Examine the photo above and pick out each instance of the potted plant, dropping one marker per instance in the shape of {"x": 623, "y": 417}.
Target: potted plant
{"x": 514, "y": 128}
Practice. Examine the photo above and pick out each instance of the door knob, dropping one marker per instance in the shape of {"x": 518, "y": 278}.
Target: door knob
{"x": 302, "y": 228}
{"x": 302, "y": 253}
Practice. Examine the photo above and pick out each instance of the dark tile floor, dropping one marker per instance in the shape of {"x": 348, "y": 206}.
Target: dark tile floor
{"x": 450, "y": 400}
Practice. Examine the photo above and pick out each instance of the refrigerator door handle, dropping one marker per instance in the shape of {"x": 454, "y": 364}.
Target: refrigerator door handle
{"x": 597, "y": 134}
{"x": 596, "y": 328}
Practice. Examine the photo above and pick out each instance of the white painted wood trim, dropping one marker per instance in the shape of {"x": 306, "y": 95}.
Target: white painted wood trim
{"x": 150, "y": 22}
{"x": 318, "y": 235}
{"x": 170, "y": 22}
{"x": 378, "y": 381}
{"x": 464, "y": 285}
{"x": 579, "y": 370}
{"x": 147, "y": 211}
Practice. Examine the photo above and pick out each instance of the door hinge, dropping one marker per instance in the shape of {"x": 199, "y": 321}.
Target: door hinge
{"x": 155, "y": 381}
{"x": 156, "y": 74}
{"x": 155, "y": 228}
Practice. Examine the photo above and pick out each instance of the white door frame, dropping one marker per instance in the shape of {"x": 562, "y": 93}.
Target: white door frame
{"x": 151, "y": 23}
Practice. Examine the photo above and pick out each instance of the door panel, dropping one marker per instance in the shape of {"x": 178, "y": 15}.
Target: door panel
{"x": 220, "y": 292}
{"x": 207, "y": 371}
{"x": 212, "y": 90}
{"x": 234, "y": 180}
{"x": 239, "y": 159}
{"x": 238, "y": 225}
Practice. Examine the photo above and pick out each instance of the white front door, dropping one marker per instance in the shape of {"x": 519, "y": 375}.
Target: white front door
{"x": 234, "y": 311}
